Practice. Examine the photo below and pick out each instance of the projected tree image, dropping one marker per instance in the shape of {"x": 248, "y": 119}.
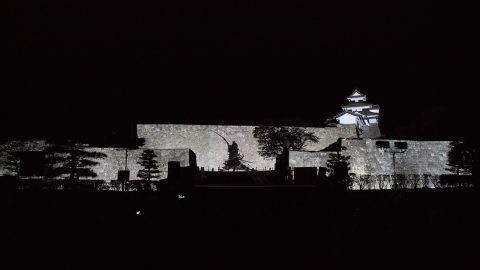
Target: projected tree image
{"x": 274, "y": 141}
{"x": 336, "y": 158}
{"x": 369, "y": 169}
{"x": 12, "y": 164}
{"x": 150, "y": 166}
{"x": 235, "y": 159}
{"x": 11, "y": 155}
{"x": 338, "y": 166}
{"x": 72, "y": 159}
{"x": 460, "y": 158}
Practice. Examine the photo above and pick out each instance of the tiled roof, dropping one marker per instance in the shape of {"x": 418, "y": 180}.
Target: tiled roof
{"x": 367, "y": 112}
{"x": 356, "y": 104}
{"x": 358, "y": 92}
{"x": 352, "y": 113}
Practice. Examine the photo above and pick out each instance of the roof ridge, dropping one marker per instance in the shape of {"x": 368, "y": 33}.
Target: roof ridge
{"x": 358, "y": 92}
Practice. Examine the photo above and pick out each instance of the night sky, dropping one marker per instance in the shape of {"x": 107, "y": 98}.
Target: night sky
{"x": 95, "y": 67}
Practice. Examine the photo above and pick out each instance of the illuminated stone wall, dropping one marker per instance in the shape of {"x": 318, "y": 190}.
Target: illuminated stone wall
{"x": 421, "y": 157}
{"x": 107, "y": 168}
{"x": 17, "y": 146}
{"x": 210, "y": 151}
{"x": 210, "y": 148}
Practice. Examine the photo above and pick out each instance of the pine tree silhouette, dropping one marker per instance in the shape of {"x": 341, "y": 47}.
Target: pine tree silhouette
{"x": 335, "y": 158}
{"x": 150, "y": 166}
{"x": 338, "y": 166}
{"x": 71, "y": 158}
{"x": 235, "y": 159}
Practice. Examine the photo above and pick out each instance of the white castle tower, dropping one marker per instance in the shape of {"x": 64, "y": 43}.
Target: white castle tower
{"x": 360, "y": 113}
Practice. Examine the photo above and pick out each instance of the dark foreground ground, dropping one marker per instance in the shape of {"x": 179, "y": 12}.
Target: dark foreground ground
{"x": 242, "y": 228}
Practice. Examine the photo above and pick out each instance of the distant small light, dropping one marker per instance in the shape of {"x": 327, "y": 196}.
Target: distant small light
{"x": 181, "y": 196}
{"x": 138, "y": 212}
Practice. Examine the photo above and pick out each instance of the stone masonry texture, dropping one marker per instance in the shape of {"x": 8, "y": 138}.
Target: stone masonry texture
{"x": 421, "y": 157}
{"x": 211, "y": 149}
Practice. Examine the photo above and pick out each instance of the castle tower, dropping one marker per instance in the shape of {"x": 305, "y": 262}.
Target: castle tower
{"x": 360, "y": 113}
{"x": 356, "y": 96}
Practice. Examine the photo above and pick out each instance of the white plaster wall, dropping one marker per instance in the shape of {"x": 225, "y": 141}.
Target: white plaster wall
{"x": 347, "y": 119}
{"x": 356, "y": 99}
{"x": 357, "y": 109}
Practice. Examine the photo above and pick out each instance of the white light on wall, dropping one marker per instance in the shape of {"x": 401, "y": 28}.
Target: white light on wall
{"x": 181, "y": 196}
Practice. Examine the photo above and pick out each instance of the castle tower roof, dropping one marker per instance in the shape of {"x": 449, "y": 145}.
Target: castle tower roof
{"x": 356, "y": 94}
{"x": 357, "y": 105}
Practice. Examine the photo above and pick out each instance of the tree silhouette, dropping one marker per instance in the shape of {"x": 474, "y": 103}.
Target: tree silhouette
{"x": 11, "y": 155}
{"x": 338, "y": 167}
{"x": 70, "y": 158}
{"x": 460, "y": 158}
{"x": 335, "y": 158}
{"x": 369, "y": 169}
{"x": 235, "y": 159}
{"x": 150, "y": 165}
{"x": 273, "y": 141}
{"x": 12, "y": 163}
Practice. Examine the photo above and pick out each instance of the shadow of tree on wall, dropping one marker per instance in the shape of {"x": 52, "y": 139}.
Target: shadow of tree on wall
{"x": 273, "y": 141}
{"x": 276, "y": 142}
{"x": 12, "y": 163}
{"x": 338, "y": 167}
{"x": 70, "y": 158}
{"x": 149, "y": 165}
{"x": 235, "y": 159}
{"x": 460, "y": 157}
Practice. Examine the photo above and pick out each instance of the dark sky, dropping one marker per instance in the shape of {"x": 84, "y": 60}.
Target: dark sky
{"x": 96, "y": 66}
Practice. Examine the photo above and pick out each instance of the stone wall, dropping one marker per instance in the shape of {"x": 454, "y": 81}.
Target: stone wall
{"x": 17, "y": 146}
{"x": 421, "y": 157}
{"x": 107, "y": 168}
{"x": 211, "y": 149}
